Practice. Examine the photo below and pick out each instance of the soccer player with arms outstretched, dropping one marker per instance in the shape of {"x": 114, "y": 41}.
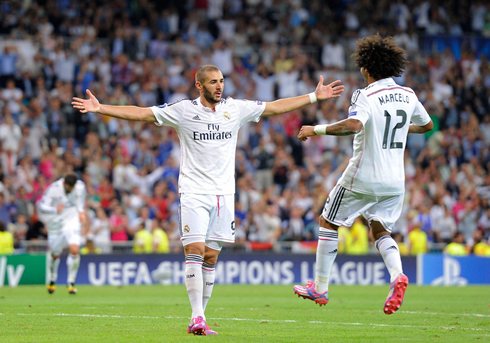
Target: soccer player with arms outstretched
{"x": 207, "y": 128}
{"x": 63, "y": 206}
{"x": 373, "y": 184}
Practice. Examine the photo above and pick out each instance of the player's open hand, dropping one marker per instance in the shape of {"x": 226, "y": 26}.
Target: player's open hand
{"x": 89, "y": 105}
{"x": 332, "y": 90}
{"x": 305, "y": 132}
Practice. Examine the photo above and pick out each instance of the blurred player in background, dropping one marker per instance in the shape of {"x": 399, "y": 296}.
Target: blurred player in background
{"x": 207, "y": 128}
{"x": 63, "y": 209}
{"x": 373, "y": 184}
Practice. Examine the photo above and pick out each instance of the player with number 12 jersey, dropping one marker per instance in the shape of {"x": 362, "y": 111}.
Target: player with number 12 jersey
{"x": 385, "y": 110}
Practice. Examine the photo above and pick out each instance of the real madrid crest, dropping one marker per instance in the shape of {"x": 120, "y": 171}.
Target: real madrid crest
{"x": 187, "y": 228}
{"x": 227, "y": 116}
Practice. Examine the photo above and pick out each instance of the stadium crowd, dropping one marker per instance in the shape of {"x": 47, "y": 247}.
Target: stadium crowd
{"x": 145, "y": 53}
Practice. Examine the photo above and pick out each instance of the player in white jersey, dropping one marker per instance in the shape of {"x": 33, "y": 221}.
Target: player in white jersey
{"x": 63, "y": 209}
{"x": 208, "y": 129}
{"x": 373, "y": 184}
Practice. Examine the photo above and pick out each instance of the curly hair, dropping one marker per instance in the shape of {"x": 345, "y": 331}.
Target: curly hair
{"x": 381, "y": 57}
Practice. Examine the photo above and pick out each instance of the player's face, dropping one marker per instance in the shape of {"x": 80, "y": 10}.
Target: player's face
{"x": 212, "y": 88}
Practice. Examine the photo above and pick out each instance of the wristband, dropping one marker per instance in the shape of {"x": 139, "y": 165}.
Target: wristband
{"x": 313, "y": 98}
{"x": 320, "y": 129}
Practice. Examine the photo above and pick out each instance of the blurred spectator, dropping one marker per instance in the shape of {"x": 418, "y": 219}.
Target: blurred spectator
{"x": 90, "y": 247}
{"x": 359, "y": 238}
{"x": 482, "y": 246}
{"x": 345, "y": 240}
{"x": 457, "y": 246}
{"x": 417, "y": 240}
{"x": 6, "y": 241}
{"x": 143, "y": 240}
{"x": 101, "y": 231}
{"x": 4, "y": 211}
{"x": 160, "y": 241}
{"x": 402, "y": 246}
{"x": 37, "y": 231}
{"x": 118, "y": 224}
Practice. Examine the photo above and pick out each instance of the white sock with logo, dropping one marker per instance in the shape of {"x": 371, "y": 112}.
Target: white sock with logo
{"x": 328, "y": 241}
{"x": 193, "y": 283}
{"x": 391, "y": 256}
{"x": 208, "y": 276}
{"x": 72, "y": 262}
{"x": 53, "y": 268}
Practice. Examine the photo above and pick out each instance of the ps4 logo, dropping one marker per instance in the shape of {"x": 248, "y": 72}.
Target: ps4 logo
{"x": 451, "y": 274}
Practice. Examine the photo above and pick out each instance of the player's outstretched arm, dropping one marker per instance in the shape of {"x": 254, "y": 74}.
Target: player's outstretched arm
{"x": 122, "y": 112}
{"x": 322, "y": 92}
{"x": 421, "y": 129}
{"x": 344, "y": 127}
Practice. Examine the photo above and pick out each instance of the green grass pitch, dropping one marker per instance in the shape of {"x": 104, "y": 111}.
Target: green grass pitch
{"x": 242, "y": 313}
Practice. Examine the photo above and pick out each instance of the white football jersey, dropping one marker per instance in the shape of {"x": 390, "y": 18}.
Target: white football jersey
{"x": 73, "y": 203}
{"x": 386, "y": 111}
{"x": 208, "y": 141}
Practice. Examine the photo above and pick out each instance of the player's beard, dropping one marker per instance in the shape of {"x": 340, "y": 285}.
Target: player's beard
{"x": 210, "y": 97}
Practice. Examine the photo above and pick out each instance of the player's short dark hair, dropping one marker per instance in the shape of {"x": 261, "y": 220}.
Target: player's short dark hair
{"x": 71, "y": 179}
{"x": 381, "y": 57}
{"x": 201, "y": 72}
{"x": 2, "y": 227}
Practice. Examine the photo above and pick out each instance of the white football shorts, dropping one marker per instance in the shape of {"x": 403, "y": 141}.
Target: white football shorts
{"x": 207, "y": 218}
{"x": 69, "y": 234}
{"x": 344, "y": 206}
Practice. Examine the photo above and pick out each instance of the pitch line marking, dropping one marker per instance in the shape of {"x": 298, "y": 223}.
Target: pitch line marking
{"x": 245, "y": 319}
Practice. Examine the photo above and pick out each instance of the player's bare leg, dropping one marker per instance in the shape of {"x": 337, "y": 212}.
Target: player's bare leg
{"x": 325, "y": 257}
{"x": 53, "y": 265}
{"x": 72, "y": 263}
{"x": 391, "y": 256}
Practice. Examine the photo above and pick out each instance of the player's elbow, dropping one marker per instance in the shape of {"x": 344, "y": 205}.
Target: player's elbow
{"x": 429, "y": 126}
{"x": 355, "y": 125}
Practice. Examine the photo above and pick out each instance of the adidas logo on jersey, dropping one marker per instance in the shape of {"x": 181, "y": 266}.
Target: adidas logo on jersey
{"x": 196, "y": 118}
{"x": 392, "y": 247}
{"x": 333, "y": 251}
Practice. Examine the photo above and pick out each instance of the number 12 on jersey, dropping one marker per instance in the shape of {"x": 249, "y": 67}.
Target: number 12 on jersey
{"x": 393, "y": 145}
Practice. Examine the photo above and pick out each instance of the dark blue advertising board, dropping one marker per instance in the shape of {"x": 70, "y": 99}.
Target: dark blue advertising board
{"x": 232, "y": 269}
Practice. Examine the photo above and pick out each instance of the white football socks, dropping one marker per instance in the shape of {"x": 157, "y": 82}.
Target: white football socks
{"x": 391, "y": 256}
{"x": 208, "y": 276}
{"x": 53, "y": 268}
{"x": 72, "y": 262}
{"x": 194, "y": 283}
{"x": 325, "y": 256}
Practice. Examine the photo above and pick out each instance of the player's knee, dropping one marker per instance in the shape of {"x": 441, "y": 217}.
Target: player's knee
{"x": 194, "y": 249}
{"x": 323, "y": 223}
{"x": 54, "y": 257}
{"x": 210, "y": 258}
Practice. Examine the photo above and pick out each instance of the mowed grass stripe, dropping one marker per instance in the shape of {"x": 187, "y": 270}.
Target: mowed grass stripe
{"x": 243, "y": 319}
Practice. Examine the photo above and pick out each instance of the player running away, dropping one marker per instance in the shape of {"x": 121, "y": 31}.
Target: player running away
{"x": 208, "y": 129}
{"x": 373, "y": 184}
{"x": 63, "y": 207}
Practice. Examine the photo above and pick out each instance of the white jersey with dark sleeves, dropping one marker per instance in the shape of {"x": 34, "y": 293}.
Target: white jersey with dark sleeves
{"x": 73, "y": 204}
{"x": 208, "y": 141}
{"x": 386, "y": 111}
